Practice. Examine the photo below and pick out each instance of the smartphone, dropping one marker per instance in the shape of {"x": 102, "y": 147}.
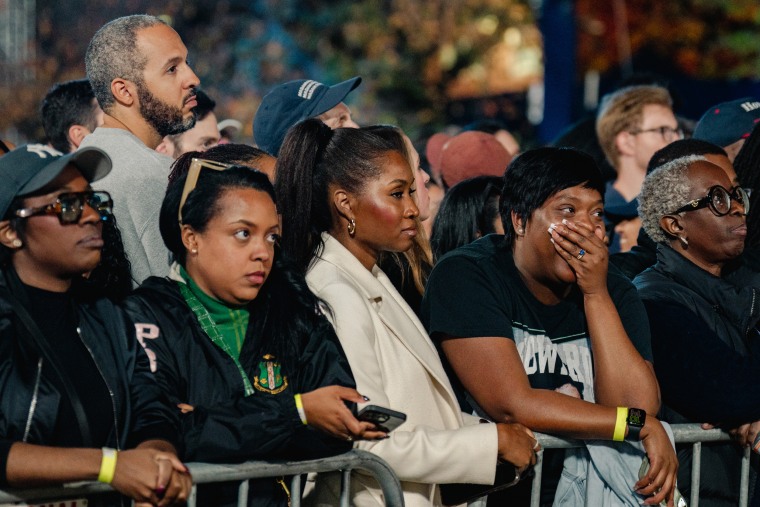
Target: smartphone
{"x": 385, "y": 419}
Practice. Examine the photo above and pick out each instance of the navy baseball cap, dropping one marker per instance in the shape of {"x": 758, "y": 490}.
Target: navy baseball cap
{"x": 30, "y": 167}
{"x": 728, "y": 122}
{"x": 620, "y": 212}
{"x": 289, "y": 103}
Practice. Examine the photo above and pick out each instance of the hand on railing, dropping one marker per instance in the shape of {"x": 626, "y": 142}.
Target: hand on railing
{"x": 517, "y": 445}
{"x": 660, "y": 481}
{"x": 326, "y": 410}
{"x": 746, "y": 434}
{"x": 152, "y": 477}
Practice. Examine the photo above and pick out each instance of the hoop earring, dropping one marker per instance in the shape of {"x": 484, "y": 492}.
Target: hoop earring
{"x": 351, "y": 227}
{"x": 684, "y": 241}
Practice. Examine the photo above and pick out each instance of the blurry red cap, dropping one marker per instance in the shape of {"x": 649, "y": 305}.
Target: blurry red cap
{"x": 433, "y": 150}
{"x": 471, "y": 154}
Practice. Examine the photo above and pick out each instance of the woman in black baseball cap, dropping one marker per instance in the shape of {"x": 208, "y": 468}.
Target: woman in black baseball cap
{"x": 73, "y": 379}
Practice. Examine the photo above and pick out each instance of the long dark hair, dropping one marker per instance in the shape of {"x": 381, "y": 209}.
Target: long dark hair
{"x": 285, "y": 311}
{"x": 747, "y": 164}
{"x": 467, "y": 212}
{"x": 311, "y": 158}
{"x": 112, "y": 277}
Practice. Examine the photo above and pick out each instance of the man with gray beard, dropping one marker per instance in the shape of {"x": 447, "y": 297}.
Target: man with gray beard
{"x": 138, "y": 69}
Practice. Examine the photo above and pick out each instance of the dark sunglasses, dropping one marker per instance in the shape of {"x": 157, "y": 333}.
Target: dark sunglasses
{"x": 70, "y": 205}
{"x": 718, "y": 199}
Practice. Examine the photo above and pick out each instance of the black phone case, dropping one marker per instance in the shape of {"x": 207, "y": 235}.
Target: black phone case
{"x": 385, "y": 419}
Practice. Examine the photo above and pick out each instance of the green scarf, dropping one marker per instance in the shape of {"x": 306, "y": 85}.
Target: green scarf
{"x": 224, "y": 325}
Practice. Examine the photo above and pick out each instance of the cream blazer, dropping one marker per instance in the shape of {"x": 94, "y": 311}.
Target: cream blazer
{"x": 397, "y": 366}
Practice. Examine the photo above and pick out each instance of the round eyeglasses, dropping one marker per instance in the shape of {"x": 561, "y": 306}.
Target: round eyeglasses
{"x": 718, "y": 199}
{"x": 70, "y": 205}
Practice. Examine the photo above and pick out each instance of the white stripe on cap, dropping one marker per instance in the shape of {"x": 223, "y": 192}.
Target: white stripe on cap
{"x": 306, "y": 91}
{"x": 310, "y": 90}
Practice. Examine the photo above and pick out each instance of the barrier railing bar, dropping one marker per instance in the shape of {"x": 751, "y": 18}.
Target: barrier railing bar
{"x": 682, "y": 433}
{"x": 206, "y": 473}
{"x": 744, "y": 485}
{"x": 538, "y": 468}
{"x": 242, "y": 493}
{"x": 295, "y": 490}
{"x": 696, "y": 472}
{"x": 193, "y": 497}
{"x": 345, "y": 488}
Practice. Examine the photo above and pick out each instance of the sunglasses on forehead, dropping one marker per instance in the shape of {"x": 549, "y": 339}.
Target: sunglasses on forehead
{"x": 192, "y": 178}
{"x": 70, "y": 205}
{"x": 718, "y": 199}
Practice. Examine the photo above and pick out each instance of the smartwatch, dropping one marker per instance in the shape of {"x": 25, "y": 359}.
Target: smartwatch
{"x": 635, "y": 421}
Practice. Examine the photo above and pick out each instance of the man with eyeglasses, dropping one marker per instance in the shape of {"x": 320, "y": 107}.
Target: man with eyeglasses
{"x": 137, "y": 66}
{"x": 632, "y": 124}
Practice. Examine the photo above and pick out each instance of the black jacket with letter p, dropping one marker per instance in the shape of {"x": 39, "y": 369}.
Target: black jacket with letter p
{"x": 225, "y": 425}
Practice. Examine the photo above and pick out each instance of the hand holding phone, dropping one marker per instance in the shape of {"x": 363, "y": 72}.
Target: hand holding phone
{"x": 385, "y": 419}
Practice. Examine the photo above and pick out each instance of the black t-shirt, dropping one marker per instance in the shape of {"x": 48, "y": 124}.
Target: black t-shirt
{"x": 476, "y": 291}
{"x": 55, "y": 315}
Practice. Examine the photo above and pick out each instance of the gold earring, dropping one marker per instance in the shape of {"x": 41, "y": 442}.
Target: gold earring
{"x": 351, "y": 227}
{"x": 194, "y": 251}
{"x": 17, "y": 243}
{"x": 684, "y": 241}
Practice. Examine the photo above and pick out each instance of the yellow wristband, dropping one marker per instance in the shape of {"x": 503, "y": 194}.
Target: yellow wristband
{"x": 107, "y": 465}
{"x": 620, "y": 423}
{"x": 299, "y": 407}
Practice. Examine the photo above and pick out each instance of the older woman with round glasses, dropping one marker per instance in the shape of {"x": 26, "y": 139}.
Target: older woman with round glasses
{"x": 702, "y": 311}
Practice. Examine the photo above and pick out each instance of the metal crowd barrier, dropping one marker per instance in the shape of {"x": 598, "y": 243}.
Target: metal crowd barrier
{"x": 683, "y": 433}
{"x": 204, "y": 473}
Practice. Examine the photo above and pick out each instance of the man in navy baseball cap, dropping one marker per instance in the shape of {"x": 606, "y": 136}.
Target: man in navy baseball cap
{"x": 729, "y": 124}
{"x": 291, "y": 102}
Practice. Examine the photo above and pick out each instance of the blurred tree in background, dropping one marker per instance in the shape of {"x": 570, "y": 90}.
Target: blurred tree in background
{"x": 414, "y": 55}
{"x": 417, "y": 57}
{"x": 708, "y": 39}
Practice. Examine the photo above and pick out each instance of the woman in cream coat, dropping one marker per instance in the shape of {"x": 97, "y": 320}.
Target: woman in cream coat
{"x": 347, "y": 196}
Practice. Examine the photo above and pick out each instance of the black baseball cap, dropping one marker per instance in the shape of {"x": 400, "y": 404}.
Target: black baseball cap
{"x": 725, "y": 123}
{"x": 289, "y": 103}
{"x": 30, "y": 167}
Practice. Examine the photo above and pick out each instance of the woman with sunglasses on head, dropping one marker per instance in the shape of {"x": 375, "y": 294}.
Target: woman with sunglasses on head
{"x": 73, "y": 379}
{"x": 346, "y": 197}
{"x": 237, "y": 340}
{"x": 703, "y": 312}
